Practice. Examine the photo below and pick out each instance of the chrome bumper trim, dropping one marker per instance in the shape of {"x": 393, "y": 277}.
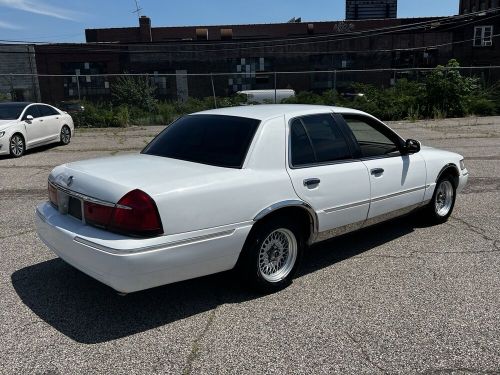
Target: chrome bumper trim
{"x": 162, "y": 246}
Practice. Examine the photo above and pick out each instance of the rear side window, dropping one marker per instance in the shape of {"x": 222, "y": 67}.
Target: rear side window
{"x": 33, "y": 111}
{"x": 45, "y": 110}
{"x": 208, "y": 139}
{"x": 317, "y": 139}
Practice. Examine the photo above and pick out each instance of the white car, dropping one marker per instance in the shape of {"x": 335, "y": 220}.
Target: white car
{"x": 248, "y": 187}
{"x": 27, "y": 125}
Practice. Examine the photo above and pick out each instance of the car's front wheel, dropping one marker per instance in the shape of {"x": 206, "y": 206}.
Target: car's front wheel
{"x": 17, "y": 147}
{"x": 65, "y": 135}
{"x": 272, "y": 255}
{"x": 442, "y": 203}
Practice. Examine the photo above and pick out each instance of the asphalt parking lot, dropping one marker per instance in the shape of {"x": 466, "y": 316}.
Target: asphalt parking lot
{"x": 400, "y": 297}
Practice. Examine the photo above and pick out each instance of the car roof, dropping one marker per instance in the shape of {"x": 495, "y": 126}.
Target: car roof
{"x": 268, "y": 111}
{"x": 16, "y": 103}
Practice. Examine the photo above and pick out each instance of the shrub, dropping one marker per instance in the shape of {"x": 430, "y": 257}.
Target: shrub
{"x": 481, "y": 106}
{"x": 134, "y": 91}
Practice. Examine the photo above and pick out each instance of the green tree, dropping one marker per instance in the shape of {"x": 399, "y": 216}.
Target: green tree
{"x": 447, "y": 91}
{"x": 134, "y": 91}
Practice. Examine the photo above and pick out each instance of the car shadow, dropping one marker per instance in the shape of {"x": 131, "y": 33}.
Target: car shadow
{"x": 35, "y": 150}
{"x": 90, "y": 312}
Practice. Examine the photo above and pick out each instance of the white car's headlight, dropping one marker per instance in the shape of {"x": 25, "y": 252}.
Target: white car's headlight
{"x": 2, "y": 134}
{"x": 462, "y": 164}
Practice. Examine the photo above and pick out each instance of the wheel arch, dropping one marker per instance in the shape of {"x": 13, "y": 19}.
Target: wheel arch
{"x": 15, "y": 132}
{"x": 451, "y": 169}
{"x": 69, "y": 127}
{"x": 307, "y": 215}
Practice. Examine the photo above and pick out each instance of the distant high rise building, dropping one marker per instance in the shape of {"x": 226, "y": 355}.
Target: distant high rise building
{"x": 371, "y": 9}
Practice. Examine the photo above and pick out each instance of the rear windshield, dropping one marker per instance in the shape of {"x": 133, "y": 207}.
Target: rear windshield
{"x": 208, "y": 139}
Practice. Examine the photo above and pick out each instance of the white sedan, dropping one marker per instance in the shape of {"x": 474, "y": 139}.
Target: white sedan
{"x": 247, "y": 187}
{"x": 27, "y": 125}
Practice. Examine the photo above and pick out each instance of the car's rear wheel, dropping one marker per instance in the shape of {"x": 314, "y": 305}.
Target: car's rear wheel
{"x": 17, "y": 147}
{"x": 65, "y": 135}
{"x": 442, "y": 203}
{"x": 272, "y": 255}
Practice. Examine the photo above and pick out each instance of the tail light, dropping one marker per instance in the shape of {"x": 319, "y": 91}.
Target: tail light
{"x": 53, "y": 195}
{"x": 135, "y": 214}
{"x": 97, "y": 214}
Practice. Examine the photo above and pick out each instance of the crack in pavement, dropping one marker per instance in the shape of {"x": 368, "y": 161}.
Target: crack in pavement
{"x": 469, "y": 226}
{"x": 364, "y": 354}
{"x": 194, "y": 354}
{"x": 476, "y": 230}
{"x": 17, "y": 234}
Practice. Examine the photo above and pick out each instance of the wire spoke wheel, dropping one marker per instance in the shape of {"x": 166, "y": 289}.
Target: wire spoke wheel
{"x": 17, "y": 145}
{"x": 444, "y": 198}
{"x": 277, "y": 255}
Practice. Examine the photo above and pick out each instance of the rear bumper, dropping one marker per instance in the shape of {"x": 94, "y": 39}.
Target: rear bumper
{"x": 128, "y": 265}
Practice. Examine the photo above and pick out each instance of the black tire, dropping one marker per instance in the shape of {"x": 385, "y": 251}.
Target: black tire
{"x": 255, "y": 261}
{"x": 17, "y": 145}
{"x": 440, "y": 208}
{"x": 65, "y": 135}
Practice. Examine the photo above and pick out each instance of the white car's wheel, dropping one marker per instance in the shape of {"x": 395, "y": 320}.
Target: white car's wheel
{"x": 65, "y": 135}
{"x": 272, "y": 255}
{"x": 17, "y": 147}
{"x": 442, "y": 203}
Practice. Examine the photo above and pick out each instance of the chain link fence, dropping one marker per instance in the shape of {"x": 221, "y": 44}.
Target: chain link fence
{"x": 173, "y": 94}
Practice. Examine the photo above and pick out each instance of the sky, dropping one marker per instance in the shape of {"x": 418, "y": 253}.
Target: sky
{"x": 66, "y": 20}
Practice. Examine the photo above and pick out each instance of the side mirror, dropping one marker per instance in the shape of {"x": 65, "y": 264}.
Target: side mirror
{"x": 412, "y": 146}
{"x": 29, "y": 118}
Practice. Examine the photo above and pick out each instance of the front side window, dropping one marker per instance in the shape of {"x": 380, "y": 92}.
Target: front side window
{"x": 217, "y": 140}
{"x": 33, "y": 111}
{"x": 372, "y": 141}
{"x": 483, "y": 36}
{"x": 317, "y": 139}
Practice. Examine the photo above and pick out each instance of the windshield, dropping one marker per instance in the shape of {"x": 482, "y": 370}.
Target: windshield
{"x": 11, "y": 111}
{"x": 208, "y": 139}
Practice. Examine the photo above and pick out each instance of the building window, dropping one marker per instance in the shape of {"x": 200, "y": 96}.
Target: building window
{"x": 483, "y": 36}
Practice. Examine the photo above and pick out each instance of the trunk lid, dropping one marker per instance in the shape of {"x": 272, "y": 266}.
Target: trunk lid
{"x": 111, "y": 178}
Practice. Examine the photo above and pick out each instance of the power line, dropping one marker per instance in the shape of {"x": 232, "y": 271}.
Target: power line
{"x": 338, "y": 71}
{"x": 160, "y": 51}
{"x": 438, "y": 21}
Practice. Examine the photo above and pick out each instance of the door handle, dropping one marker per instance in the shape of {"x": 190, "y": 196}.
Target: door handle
{"x": 377, "y": 171}
{"x": 311, "y": 182}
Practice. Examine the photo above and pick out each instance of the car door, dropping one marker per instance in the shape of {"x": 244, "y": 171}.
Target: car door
{"x": 51, "y": 118}
{"x": 397, "y": 180}
{"x": 35, "y": 129}
{"x": 325, "y": 175}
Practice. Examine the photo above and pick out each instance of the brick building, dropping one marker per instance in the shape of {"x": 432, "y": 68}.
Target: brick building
{"x": 254, "y": 52}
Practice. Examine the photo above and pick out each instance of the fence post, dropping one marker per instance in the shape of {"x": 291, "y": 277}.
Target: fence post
{"x": 335, "y": 79}
{"x": 275, "y": 87}
{"x": 213, "y": 89}
{"x": 78, "y": 86}
{"x": 12, "y": 92}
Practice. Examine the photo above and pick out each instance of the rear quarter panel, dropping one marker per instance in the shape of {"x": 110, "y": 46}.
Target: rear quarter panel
{"x": 236, "y": 196}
